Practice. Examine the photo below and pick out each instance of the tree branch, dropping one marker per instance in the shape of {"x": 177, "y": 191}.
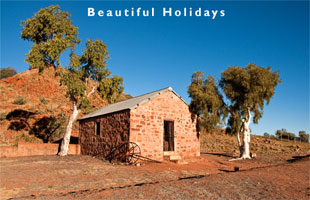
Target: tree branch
{"x": 92, "y": 91}
{"x": 249, "y": 116}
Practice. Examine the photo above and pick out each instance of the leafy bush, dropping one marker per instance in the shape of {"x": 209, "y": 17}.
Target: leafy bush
{"x": 7, "y": 72}
{"x": 20, "y": 100}
{"x": 32, "y": 108}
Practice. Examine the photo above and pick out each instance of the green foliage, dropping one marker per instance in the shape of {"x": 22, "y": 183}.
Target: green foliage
{"x": 303, "y": 136}
{"x": 207, "y": 102}
{"x": 88, "y": 109}
{"x": 111, "y": 88}
{"x": 7, "y": 72}
{"x": 93, "y": 60}
{"x": 250, "y": 87}
{"x": 91, "y": 66}
{"x": 51, "y": 32}
{"x": 283, "y": 134}
{"x": 83, "y": 69}
{"x": 20, "y": 100}
{"x": 73, "y": 79}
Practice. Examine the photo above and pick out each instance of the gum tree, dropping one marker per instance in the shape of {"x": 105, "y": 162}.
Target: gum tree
{"x": 246, "y": 90}
{"x": 207, "y": 102}
{"x": 52, "y": 33}
{"x": 86, "y": 71}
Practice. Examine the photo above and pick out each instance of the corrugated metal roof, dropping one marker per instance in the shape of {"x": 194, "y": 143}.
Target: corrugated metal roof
{"x": 128, "y": 104}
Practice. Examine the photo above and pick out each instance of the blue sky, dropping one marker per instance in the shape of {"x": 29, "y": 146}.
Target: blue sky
{"x": 151, "y": 53}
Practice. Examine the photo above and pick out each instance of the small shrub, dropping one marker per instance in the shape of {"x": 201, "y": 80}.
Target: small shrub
{"x": 40, "y": 111}
{"x": 25, "y": 137}
{"x": 3, "y": 116}
{"x": 44, "y": 101}
{"x": 32, "y": 108}
{"x": 20, "y": 100}
{"x": 51, "y": 108}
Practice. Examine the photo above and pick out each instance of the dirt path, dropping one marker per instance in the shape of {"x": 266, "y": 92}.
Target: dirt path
{"x": 211, "y": 176}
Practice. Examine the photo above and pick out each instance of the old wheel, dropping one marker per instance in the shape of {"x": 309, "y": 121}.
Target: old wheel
{"x": 130, "y": 152}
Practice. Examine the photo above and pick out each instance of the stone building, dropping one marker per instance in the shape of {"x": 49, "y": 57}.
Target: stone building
{"x": 159, "y": 122}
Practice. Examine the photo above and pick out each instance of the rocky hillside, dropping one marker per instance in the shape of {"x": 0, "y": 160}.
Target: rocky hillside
{"x": 32, "y": 105}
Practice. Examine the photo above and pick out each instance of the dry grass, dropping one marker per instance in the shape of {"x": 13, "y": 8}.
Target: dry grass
{"x": 259, "y": 144}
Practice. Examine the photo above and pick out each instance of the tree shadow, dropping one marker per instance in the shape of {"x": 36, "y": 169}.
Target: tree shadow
{"x": 298, "y": 158}
{"x": 218, "y": 154}
{"x": 46, "y": 128}
{"x": 19, "y": 119}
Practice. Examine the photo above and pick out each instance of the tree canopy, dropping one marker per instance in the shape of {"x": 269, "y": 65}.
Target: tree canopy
{"x": 238, "y": 89}
{"x": 91, "y": 66}
{"x": 111, "y": 88}
{"x": 207, "y": 101}
{"x": 86, "y": 71}
{"x": 52, "y": 32}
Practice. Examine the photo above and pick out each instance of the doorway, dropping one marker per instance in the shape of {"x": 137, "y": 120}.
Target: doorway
{"x": 168, "y": 135}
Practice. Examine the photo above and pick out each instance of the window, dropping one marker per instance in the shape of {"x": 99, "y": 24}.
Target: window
{"x": 97, "y": 128}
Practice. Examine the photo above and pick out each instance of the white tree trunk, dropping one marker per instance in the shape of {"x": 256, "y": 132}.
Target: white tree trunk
{"x": 246, "y": 137}
{"x": 64, "y": 148}
{"x": 244, "y": 147}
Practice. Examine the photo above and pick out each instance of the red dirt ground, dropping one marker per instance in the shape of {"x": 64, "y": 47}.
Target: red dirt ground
{"x": 211, "y": 176}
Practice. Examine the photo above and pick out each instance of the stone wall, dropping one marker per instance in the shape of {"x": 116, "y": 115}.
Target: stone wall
{"x": 34, "y": 149}
{"x": 114, "y": 130}
{"x": 147, "y": 126}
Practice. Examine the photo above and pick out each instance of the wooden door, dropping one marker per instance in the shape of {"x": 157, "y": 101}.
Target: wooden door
{"x": 168, "y": 135}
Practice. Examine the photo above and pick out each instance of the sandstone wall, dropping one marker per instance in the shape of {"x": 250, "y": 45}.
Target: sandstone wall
{"x": 147, "y": 126}
{"x": 34, "y": 149}
{"x": 114, "y": 130}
